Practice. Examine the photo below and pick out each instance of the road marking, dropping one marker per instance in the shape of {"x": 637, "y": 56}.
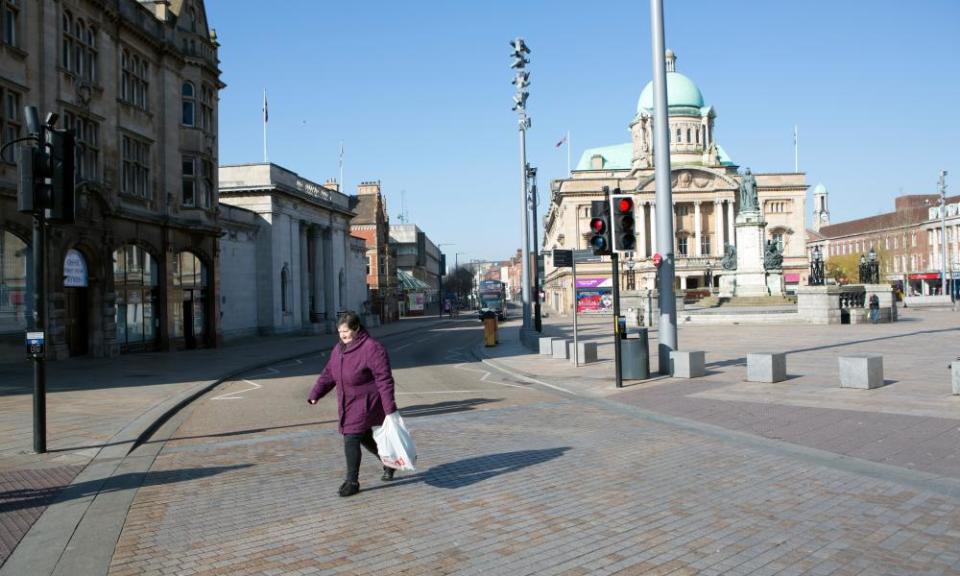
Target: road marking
{"x": 486, "y": 375}
{"x": 528, "y": 379}
{"x": 440, "y": 392}
{"x": 402, "y": 347}
{"x": 233, "y": 395}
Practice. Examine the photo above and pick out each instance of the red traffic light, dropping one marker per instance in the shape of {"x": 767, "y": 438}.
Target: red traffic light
{"x": 598, "y": 225}
{"x": 624, "y": 205}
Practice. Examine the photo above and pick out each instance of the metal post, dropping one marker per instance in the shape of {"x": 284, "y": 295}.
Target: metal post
{"x": 535, "y": 291}
{"x": 615, "y": 261}
{"x": 942, "y": 185}
{"x": 576, "y": 353}
{"x": 39, "y": 325}
{"x": 667, "y": 331}
{"x": 525, "y": 256}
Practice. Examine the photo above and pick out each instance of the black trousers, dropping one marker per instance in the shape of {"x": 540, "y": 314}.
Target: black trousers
{"x": 351, "y": 449}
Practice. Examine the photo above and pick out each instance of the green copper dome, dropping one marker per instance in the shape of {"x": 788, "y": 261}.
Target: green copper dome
{"x": 681, "y": 91}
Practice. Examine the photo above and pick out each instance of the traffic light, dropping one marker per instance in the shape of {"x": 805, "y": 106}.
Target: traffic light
{"x": 600, "y": 227}
{"x": 624, "y": 230}
{"x": 29, "y": 179}
{"x": 63, "y": 175}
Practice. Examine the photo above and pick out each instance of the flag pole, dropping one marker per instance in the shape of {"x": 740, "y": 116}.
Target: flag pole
{"x": 266, "y": 158}
{"x": 568, "y": 152}
{"x": 343, "y": 185}
{"x": 796, "y": 149}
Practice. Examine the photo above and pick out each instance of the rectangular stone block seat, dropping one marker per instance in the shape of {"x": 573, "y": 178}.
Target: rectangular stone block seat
{"x": 955, "y": 376}
{"x": 561, "y": 348}
{"x": 546, "y": 345}
{"x": 766, "y": 367}
{"x": 586, "y": 352}
{"x": 687, "y": 363}
{"x": 861, "y": 371}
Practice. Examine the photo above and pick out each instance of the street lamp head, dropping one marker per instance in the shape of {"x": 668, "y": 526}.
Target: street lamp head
{"x": 872, "y": 255}
{"x": 863, "y": 259}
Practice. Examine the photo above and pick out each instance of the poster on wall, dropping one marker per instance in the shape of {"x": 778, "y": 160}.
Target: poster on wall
{"x": 594, "y": 296}
{"x": 415, "y": 301}
{"x": 74, "y": 270}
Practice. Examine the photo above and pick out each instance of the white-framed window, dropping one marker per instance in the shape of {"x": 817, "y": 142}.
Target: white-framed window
{"x": 682, "y": 245}
{"x": 136, "y": 167}
{"x": 10, "y": 121}
{"x": 11, "y": 22}
{"x": 777, "y": 238}
{"x": 134, "y": 79}
{"x": 188, "y": 98}
{"x": 705, "y": 244}
{"x": 88, "y": 145}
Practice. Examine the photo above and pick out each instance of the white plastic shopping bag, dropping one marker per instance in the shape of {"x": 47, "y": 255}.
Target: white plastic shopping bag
{"x": 394, "y": 443}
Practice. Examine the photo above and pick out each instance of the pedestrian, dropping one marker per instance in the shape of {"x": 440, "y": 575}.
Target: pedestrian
{"x": 447, "y": 308}
{"x": 874, "y": 308}
{"x": 359, "y": 369}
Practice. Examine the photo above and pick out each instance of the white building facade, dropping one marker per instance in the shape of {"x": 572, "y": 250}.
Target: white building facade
{"x": 288, "y": 262}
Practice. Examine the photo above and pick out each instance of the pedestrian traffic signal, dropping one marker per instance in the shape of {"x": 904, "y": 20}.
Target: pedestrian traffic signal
{"x": 623, "y": 224}
{"x": 600, "y": 227}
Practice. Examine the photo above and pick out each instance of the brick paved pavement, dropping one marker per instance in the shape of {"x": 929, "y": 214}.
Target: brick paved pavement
{"x": 557, "y": 488}
{"x": 97, "y": 409}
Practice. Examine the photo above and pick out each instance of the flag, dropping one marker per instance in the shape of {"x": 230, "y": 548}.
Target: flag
{"x": 266, "y": 115}
{"x": 561, "y": 142}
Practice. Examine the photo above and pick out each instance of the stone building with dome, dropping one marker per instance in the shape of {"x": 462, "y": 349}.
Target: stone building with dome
{"x": 705, "y": 182}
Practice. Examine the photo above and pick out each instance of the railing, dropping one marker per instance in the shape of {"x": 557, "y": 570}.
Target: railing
{"x": 852, "y": 296}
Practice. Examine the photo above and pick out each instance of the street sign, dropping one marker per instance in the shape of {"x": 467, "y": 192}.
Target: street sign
{"x": 35, "y": 344}
{"x": 563, "y": 258}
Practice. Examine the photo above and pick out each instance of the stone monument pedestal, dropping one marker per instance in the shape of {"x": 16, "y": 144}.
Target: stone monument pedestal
{"x": 751, "y": 278}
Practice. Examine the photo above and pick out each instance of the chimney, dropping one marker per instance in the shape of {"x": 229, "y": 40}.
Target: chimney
{"x": 332, "y": 184}
{"x": 372, "y": 187}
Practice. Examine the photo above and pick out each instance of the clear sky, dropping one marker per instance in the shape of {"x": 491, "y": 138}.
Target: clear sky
{"x": 420, "y": 95}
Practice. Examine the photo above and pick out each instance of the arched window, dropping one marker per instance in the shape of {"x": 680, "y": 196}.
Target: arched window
{"x": 67, "y": 58}
{"x": 16, "y": 292}
{"x": 188, "y": 95}
{"x": 136, "y": 280}
{"x": 679, "y": 136}
{"x": 284, "y": 286}
{"x": 193, "y": 20}
{"x": 688, "y": 135}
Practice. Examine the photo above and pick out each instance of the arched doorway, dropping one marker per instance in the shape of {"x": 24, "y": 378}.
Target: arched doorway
{"x": 189, "y": 298}
{"x": 136, "y": 280}
{"x": 76, "y": 303}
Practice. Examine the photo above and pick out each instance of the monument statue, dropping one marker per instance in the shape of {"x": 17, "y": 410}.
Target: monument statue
{"x": 772, "y": 256}
{"x": 748, "y": 193}
{"x": 729, "y": 261}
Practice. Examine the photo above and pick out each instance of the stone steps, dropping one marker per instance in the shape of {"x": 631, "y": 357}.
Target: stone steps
{"x": 746, "y": 301}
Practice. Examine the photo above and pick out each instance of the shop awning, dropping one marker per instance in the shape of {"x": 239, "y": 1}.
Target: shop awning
{"x": 411, "y": 284}
{"x": 791, "y": 278}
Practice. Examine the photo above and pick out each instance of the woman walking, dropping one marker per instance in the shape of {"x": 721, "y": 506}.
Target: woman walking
{"x": 360, "y": 371}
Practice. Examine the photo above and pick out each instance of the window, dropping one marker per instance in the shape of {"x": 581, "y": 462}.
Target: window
{"x": 688, "y": 135}
{"x": 682, "y": 210}
{"x": 284, "y": 286}
{"x": 206, "y": 108}
{"x": 136, "y": 167}
{"x": 10, "y": 121}
{"x": 682, "y": 245}
{"x": 11, "y": 22}
{"x": 913, "y": 240}
{"x": 705, "y": 244}
{"x": 678, "y": 136}
{"x": 135, "y": 282}
{"x": 188, "y": 99}
{"x": 778, "y": 240}
{"x": 189, "y": 187}
{"x": 134, "y": 79}
{"x": 79, "y": 50}
{"x": 193, "y": 20}
{"x": 88, "y": 145}
{"x": 16, "y": 303}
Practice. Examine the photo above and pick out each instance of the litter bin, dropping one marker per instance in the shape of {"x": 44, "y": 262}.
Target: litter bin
{"x": 635, "y": 356}
{"x": 489, "y": 328}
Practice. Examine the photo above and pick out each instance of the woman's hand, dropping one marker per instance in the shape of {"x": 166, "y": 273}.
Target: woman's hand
{"x": 311, "y": 401}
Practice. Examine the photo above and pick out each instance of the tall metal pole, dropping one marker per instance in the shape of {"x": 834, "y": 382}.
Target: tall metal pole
{"x": 667, "y": 331}
{"x": 521, "y": 80}
{"x": 535, "y": 290}
{"x": 39, "y": 325}
{"x": 617, "y": 336}
{"x": 942, "y": 185}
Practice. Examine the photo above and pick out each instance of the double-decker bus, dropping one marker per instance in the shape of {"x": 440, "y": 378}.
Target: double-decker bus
{"x": 493, "y": 298}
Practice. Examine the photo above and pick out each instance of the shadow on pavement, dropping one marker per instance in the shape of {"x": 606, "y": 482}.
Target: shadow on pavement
{"x": 472, "y": 470}
{"x": 447, "y": 407}
{"x": 19, "y": 499}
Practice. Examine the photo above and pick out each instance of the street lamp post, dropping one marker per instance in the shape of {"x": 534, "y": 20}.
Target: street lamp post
{"x": 535, "y": 264}
{"x": 942, "y": 184}
{"x": 521, "y": 80}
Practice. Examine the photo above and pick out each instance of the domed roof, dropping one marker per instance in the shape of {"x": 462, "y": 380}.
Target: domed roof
{"x": 820, "y": 189}
{"x": 681, "y": 91}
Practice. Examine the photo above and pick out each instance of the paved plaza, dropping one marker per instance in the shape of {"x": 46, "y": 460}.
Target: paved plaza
{"x": 530, "y": 465}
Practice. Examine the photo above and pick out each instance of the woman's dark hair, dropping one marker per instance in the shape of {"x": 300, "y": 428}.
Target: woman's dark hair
{"x": 350, "y": 319}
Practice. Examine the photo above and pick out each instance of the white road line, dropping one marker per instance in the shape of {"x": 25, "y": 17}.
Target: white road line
{"x": 233, "y": 395}
{"x": 486, "y": 375}
{"x": 528, "y": 379}
{"x": 402, "y": 347}
{"x": 441, "y": 392}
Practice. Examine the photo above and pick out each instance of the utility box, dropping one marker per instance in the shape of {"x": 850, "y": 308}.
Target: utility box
{"x": 489, "y": 329}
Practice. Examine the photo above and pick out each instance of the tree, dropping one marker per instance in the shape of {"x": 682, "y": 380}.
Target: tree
{"x": 460, "y": 282}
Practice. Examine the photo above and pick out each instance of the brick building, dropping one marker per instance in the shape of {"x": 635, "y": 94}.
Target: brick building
{"x": 372, "y": 223}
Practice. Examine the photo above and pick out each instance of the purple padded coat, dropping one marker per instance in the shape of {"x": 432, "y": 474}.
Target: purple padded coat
{"x": 361, "y": 373}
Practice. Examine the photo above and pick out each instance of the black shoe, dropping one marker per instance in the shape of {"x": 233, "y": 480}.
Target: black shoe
{"x": 349, "y": 489}
{"x": 387, "y": 474}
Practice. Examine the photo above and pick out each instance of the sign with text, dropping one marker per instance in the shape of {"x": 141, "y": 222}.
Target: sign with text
{"x": 74, "y": 270}
{"x": 563, "y": 258}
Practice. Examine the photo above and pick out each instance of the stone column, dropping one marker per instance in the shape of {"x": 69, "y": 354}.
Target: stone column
{"x": 653, "y": 228}
{"x": 301, "y": 274}
{"x": 641, "y": 230}
{"x": 730, "y": 237}
{"x": 718, "y": 228}
{"x": 696, "y": 228}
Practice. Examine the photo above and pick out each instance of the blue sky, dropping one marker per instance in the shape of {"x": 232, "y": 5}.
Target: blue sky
{"x": 420, "y": 95}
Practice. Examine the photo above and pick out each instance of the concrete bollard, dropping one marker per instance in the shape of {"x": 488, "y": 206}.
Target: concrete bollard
{"x": 955, "y": 372}
{"x": 586, "y": 352}
{"x": 766, "y": 367}
{"x": 687, "y": 363}
{"x": 861, "y": 371}
{"x": 561, "y": 348}
{"x": 546, "y": 345}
